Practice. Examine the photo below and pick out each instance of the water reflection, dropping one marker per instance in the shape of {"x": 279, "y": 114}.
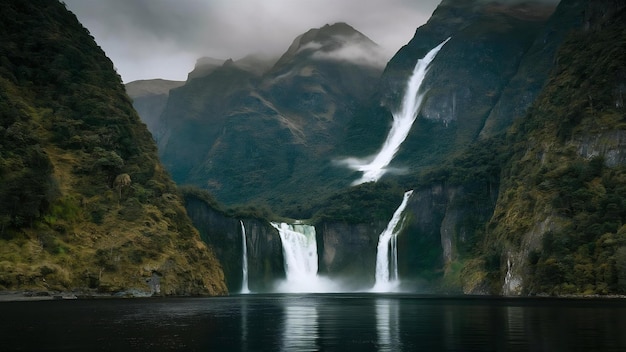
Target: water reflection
{"x": 516, "y": 332}
{"x": 300, "y": 330}
{"x": 388, "y": 325}
{"x": 340, "y": 322}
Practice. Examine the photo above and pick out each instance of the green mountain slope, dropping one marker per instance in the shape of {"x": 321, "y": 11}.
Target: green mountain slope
{"x": 558, "y": 227}
{"x": 269, "y": 138}
{"x": 84, "y": 201}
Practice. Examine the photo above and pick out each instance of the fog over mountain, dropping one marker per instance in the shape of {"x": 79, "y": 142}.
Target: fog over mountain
{"x": 163, "y": 39}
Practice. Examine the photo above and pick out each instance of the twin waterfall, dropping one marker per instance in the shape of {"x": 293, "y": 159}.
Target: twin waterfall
{"x": 374, "y": 167}
{"x": 387, "y": 251}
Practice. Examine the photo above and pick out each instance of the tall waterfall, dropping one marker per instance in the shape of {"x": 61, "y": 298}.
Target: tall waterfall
{"x": 300, "y": 256}
{"x": 374, "y": 167}
{"x": 386, "y": 260}
{"x": 244, "y": 261}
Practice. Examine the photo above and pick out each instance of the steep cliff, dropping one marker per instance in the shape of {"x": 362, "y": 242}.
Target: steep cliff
{"x": 558, "y": 224}
{"x": 84, "y": 202}
{"x": 465, "y": 81}
{"x": 223, "y": 231}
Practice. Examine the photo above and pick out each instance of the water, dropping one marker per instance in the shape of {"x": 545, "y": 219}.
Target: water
{"x": 315, "y": 322}
{"x": 244, "y": 261}
{"x": 301, "y": 260}
{"x": 375, "y": 167}
{"x": 387, "y": 261}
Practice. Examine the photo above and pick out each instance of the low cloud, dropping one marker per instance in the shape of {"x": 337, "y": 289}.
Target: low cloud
{"x": 163, "y": 38}
{"x": 356, "y": 53}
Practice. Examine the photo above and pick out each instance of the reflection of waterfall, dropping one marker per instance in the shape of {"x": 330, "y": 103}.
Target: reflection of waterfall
{"x": 388, "y": 325}
{"x": 375, "y": 167}
{"x": 300, "y": 332}
{"x": 387, "y": 262}
{"x": 244, "y": 261}
{"x": 244, "y": 325}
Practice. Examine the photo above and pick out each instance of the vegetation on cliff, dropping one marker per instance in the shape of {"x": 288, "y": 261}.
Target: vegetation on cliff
{"x": 561, "y": 215}
{"x": 84, "y": 200}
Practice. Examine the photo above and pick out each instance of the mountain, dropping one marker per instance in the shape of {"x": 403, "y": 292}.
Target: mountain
{"x": 268, "y": 138}
{"x": 516, "y": 156}
{"x": 558, "y": 227}
{"x": 85, "y": 204}
{"x": 488, "y": 42}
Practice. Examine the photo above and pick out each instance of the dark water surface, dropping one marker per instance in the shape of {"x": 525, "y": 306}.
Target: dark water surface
{"x": 315, "y": 322}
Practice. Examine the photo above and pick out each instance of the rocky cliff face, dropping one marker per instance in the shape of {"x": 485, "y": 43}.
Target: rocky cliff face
{"x": 347, "y": 252}
{"x": 534, "y": 68}
{"x": 556, "y": 228}
{"x": 224, "y": 234}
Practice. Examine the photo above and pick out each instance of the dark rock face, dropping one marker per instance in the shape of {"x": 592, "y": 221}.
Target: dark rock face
{"x": 440, "y": 225}
{"x": 265, "y": 258}
{"x": 534, "y": 68}
{"x": 347, "y": 252}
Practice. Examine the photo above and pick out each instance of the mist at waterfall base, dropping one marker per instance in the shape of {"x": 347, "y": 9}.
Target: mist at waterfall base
{"x": 374, "y": 167}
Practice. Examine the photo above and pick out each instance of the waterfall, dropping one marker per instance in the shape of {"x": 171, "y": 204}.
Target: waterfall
{"x": 374, "y": 167}
{"x": 386, "y": 260}
{"x": 244, "y": 261}
{"x": 300, "y": 259}
{"x": 299, "y": 252}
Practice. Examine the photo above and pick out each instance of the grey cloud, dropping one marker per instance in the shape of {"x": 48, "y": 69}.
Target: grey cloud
{"x": 163, "y": 38}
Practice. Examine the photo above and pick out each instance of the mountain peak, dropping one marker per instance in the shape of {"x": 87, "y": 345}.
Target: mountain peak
{"x": 338, "y": 42}
{"x": 204, "y": 66}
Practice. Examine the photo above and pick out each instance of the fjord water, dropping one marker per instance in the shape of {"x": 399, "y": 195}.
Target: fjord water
{"x": 387, "y": 251}
{"x": 315, "y": 322}
{"x": 375, "y": 167}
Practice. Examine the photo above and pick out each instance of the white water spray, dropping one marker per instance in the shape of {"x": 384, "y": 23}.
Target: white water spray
{"x": 386, "y": 261}
{"x": 244, "y": 261}
{"x": 301, "y": 261}
{"x": 374, "y": 167}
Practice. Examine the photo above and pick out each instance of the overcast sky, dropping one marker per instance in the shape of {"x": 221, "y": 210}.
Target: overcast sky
{"x": 163, "y": 38}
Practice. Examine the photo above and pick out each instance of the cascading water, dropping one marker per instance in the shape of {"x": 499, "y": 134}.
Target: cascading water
{"x": 244, "y": 261}
{"x": 375, "y": 167}
{"x": 386, "y": 260}
{"x": 301, "y": 261}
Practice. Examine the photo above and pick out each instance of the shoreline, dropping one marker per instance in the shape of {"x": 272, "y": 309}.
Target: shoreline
{"x": 29, "y": 295}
